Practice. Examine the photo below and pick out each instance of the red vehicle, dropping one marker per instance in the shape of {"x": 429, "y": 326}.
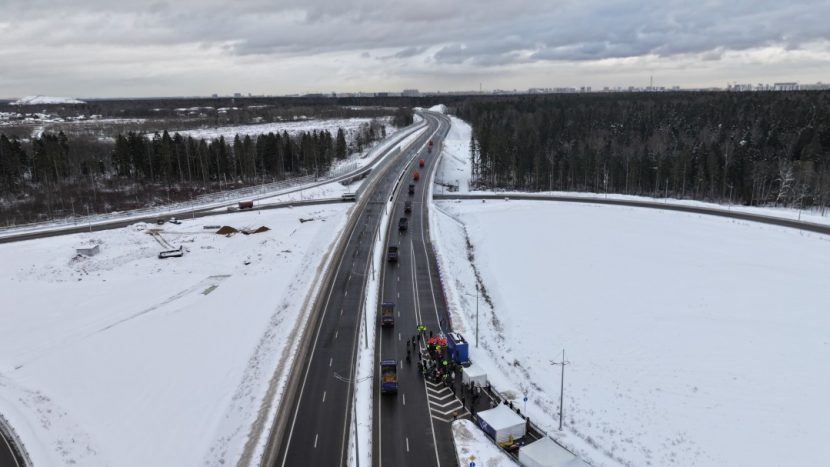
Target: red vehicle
{"x": 416, "y": 176}
{"x": 421, "y": 163}
{"x": 429, "y": 147}
{"x": 246, "y": 205}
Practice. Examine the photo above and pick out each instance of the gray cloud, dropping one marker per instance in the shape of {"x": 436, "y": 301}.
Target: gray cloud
{"x": 82, "y": 39}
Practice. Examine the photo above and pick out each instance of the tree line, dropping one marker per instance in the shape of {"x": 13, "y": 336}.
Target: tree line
{"x": 53, "y": 175}
{"x": 749, "y": 148}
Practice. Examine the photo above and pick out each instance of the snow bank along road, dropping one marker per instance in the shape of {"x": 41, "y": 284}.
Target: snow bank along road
{"x": 783, "y": 222}
{"x": 408, "y": 428}
{"x": 315, "y": 430}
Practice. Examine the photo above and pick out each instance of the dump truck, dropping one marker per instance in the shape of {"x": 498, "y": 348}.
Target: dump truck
{"x": 388, "y": 376}
{"x": 411, "y": 188}
{"x": 403, "y": 224}
{"x": 246, "y": 205}
{"x": 387, "y": 314}
{"x": 392, "y": 254}
{"x": 421, "y": 163}
{"x": 407, "y": 206}
{"x": 416, "y": 176}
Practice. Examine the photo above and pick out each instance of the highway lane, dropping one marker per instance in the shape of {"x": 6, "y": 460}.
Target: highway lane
{"x": 741, "y": 215}
{"x": 406, "y": 432}
{"x": 318, "y": 416}
{"x": 8, "y": 456}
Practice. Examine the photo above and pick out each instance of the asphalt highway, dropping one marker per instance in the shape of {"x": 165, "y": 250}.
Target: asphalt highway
{"x": 412, "y": 426}
{"x": 318, "y": 412}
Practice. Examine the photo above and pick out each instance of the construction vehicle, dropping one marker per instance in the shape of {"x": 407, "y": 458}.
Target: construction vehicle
{"x": 403, "y": 224}
{"x": 389, "y": 376}
{"x": 392, "y": 254}
{"x": 387, "y": 314}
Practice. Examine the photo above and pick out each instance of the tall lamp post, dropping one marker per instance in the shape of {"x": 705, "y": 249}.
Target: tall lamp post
{"x": 470, "y": 295}
{"x": 561, "y": 387}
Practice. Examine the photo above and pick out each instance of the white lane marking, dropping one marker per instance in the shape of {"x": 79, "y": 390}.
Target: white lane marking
{"x": 407, "y": 444}
{"x": 399, "y": 295}
{"x": 336, "y": 333}
{"x": 341, "y": 312}
{"x": 399, "y": 337}
{"x": 346, "y": 294}
{"x": 315, "y": 440}
{"x": 349, "y": 278}
{"x": 324, "y": 396}
{"x": 331, "y": 360}
{"x": 404, "y": 399}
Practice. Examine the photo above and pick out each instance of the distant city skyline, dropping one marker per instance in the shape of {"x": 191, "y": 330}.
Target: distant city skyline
{"x": 94, "y": 48}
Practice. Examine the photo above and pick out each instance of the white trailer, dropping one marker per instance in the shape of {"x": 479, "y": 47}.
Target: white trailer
{"x": 545, "y": 452}
{"x": 501, "y": 423}
{"x": 475, "y": 375}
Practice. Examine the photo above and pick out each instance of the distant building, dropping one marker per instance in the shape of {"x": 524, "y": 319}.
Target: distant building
{"x": 410, "y": 93}
{"x": 785, "y": 86}
{"x": 237, "y": 94}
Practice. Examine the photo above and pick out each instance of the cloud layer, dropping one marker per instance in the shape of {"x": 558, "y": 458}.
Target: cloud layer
{"x": 96, "y": 47}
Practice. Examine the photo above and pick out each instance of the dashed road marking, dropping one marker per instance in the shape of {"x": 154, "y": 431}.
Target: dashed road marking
{"x": 324, "y": 396}
{"x": 331, "y": 360}
{"x": 315, "y": 440}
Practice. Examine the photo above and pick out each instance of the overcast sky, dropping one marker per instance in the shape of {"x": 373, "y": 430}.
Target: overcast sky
{"x": 102, "y": 48}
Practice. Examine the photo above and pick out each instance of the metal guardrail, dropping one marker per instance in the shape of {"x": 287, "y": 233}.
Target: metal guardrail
{"x": 741, "y": 215}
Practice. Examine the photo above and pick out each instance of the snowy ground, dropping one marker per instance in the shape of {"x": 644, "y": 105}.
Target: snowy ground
{"x": 472, "y": 445}
{"x": 125, "y": 359}
{"x": 349, "y": 125}
{"x": 692, "y": 340}
{"x": 455, "y": 173}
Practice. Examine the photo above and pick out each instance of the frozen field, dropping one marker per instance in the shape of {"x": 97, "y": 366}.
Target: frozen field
{"x": 124, "y": 359}
{"x": 349, "y": 126}
{"x": 692, "y": 340}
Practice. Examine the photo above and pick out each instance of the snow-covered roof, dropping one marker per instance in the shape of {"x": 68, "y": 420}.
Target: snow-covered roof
{"x": 474, "y": 371}
{"x": 501, "y": 417}
{"x": 545, "y": 452}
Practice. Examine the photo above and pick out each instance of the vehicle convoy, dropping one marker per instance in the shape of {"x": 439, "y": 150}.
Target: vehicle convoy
{"x": 411, "y": 188}
{"x": 392, "y": 254}
{"x": 403, "y": 224}
{"x": 421, "y": 163}
{"x": 387, "y": 314}
{"x": 388, "y": 376}
{"x": 246, "y": 205}
{"x": 416, "y": 176}
{"x": 407, "y": 206}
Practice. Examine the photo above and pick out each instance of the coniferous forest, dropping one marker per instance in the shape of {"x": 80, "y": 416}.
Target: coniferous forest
{"x": 761, "y": 148}
{"x": 54, "y": 175}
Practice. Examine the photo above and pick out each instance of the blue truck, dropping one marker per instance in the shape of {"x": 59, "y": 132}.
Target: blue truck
{"x": 458, "y": 348}
{"x": 387, "y": 314}
{"x": 388, "y": 376}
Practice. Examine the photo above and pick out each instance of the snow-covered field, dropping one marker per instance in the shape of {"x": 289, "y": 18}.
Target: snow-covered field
{"x": 692, "y": 340}
{"x": 40, "y": 100}
{"x": 124, "y": 359}
{"x": 349, "y": 126}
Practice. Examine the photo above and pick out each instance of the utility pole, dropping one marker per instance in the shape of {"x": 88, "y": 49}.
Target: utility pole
{"x": 561, "y": 388}
{"x": 476, "y": 314}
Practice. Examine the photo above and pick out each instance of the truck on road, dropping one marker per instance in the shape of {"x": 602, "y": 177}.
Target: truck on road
{"x": 411, "y": 188}
{"x": 246, "y": 205}
{"x": 403, "y": 224}
{"x": 392, "y": 254}
{"x": 407, "y": 206}
{"x": 387, "y": 314}
{"x": 421, "y": 163}
{"x": 416, "y": 176}
{"x": 389, "y": 376}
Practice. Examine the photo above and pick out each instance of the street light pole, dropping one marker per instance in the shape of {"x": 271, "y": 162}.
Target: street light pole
{"x": 476, "y": 314}
{"x": 561, "y": 388}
